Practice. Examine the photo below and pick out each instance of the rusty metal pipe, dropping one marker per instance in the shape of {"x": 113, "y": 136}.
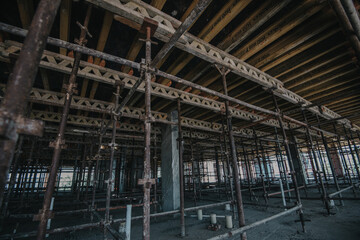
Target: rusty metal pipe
{"x": 21, "y": 81}
{"x": 112, "y": 158}
{"x": 330, "y": 162}
{"x": 147, "y": 130}
{"x": 122, "y": 61}
{"x": 191, "y": 18}
{"x": 288, "y": 154}
{"x": 255, "y": 224}
{"x": 352, "y": 15}
{"x": 311, "y": 147}
{"x": 241, "y": 218}
{"x": 45, "y": 213}
{"x": 181, "y": 172}
{"x": 346, "y": 26}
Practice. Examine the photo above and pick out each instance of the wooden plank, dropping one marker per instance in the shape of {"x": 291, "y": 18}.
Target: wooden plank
{"x": 136, "y": 44}
{"x": 65, "y": 18}
{"x": 328, "y": 87}
{"x": 135, "y": 48}
{"x": 26, "y": 11}
{"x": 227, "y": 13}
{"x": 105, "y": 29}
{"x": 299, "y": 44}
{"x": 45, "y": 80}
{"x": 313, "y": 76}
{"x": 278, "y": 29}
{"x": 335, "y": 89}
{"x": 317, "y": 83}
{"x": 314, "y": 67}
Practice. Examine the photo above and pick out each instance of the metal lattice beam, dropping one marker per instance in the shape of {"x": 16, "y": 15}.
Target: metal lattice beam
{"x": 136, "y": 11}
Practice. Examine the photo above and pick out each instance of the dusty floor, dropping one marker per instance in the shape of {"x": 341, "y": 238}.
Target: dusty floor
{"x": 343, "y": 224}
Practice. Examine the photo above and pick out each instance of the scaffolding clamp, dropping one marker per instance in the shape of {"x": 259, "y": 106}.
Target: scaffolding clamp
{"x": 20, "y": 124}
{"x": 147, "y": 182}
{"x": 47, "y": 214}
{"x": 58, "y": 143}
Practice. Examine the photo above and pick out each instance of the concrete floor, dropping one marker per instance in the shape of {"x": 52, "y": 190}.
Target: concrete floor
{"x": 344, "y": 224}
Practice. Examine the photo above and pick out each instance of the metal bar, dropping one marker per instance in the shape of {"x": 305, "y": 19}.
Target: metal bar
{"x": 339, "y": 192}
{"x": 147, "y": 130}
{"x": 45, "y": 213}
{"x": 311, "y": 146}
{"x": 217, "y": 169}
{"x": 255, "y": 224}
{"x": 282, "y": 163}
{"x": 193, "y": 167}
{"x": 112, "y": 158}
{"x": 351, "y": 152}
{"x": 288, "y": 154}
{"x": 228, "y": 165}
{"x": 321, "y": 160}
{"x": 330, "y": 162}
{"x": 99, "y": 224}
{"x": 155, "y": 174}
{"x": 20, "y": 84}
{"x": 241, "y": 218}
{"x": 108, "y": 57}
{"x": 260, "y": 168}
{"x": 343, "y": 157}
{"x": 195, "y": 13}
{"x": 346, "y": 25}
{"x": 128, "y": 222}
{"x": 248, "y": 172}
{"x": 352, "y": 15}
{"x": 181, "y": 172}
{"x": 14, "y": 171}
{"x": 285, "y": 191}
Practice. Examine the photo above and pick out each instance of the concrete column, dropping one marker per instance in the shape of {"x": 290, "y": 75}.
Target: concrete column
{"x": 170, "y": 165}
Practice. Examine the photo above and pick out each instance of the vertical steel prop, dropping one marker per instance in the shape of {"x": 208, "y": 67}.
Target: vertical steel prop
{"x": 223, "y": 71}
{"x": 247, "y": 168}
{"x": 226, "y": 179}
{"x": 113, "y": 146}
{"x": 155, "y": 160}
{"x": 228, "y": 166}
{"x": 96, "y": 171}
{"x": 311, "y": 147}
{"x": 12, "y": 180}
{"x": 288, "y": 154}
{"x": 282, "y": 165}
{"x": 45, "y": 213}
{"x": 193, "y": 168}
{"x": 79, "y": 187}
{"x": 218, "y": 176}
{"x": 352, "y": 152}
{"x": 181, "y": 171}
{"x": 355, "y": 147}
{"x": 260, "y": 168}
{"x": 26, "y": 179}
{"x": 343, "y": 157}
{"x": 147, "y": 181}
{"x": 322, "y": 162}
{"x": 90, "y": 167}
{"x": 12, "y": 121}
{"x": 263, "y": 156}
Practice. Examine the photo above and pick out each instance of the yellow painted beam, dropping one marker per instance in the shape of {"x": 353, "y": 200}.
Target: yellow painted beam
{"x": 26, "y": 11}
{"x": 65, "y": 18}
{"x": 104, "y": 33}
{"x": 278, "y": 29}
{"x": 227, "y": 13}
